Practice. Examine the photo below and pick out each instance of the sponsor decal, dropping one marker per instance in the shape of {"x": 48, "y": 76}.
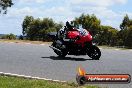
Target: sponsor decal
{"x": 83, "y": 78}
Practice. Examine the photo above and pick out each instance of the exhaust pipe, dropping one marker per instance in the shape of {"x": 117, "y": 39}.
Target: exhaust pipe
{"x": 55, "y": 48}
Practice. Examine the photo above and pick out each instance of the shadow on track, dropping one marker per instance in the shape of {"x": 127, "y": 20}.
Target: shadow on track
{"x": 66, "y": 58}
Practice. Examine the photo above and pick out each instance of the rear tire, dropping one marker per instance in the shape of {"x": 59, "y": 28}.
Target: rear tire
{"x": 94, "y": 52}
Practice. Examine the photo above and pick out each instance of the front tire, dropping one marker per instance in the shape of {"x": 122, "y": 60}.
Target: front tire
{"x": 94, "y": 52}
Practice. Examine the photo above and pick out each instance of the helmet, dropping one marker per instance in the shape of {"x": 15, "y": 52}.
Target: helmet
{"x": 68, "y": 24}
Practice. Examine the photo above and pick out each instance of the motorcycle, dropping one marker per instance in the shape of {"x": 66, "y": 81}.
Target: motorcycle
{"x": 74, "y": 41}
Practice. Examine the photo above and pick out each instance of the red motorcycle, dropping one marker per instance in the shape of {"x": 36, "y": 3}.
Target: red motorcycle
{"x": 73, "y": 41}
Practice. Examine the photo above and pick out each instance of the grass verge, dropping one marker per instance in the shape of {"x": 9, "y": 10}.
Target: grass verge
{"x": 17, "y": 82}
{"x": 24, "y": 41}
{"x": 116, "y": 47}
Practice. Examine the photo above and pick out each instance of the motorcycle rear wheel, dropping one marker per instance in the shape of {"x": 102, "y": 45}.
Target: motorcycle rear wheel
{"x": 94, "y": 52}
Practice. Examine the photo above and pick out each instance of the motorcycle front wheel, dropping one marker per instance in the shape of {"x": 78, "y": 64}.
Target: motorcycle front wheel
{"x": 94, "y": 52}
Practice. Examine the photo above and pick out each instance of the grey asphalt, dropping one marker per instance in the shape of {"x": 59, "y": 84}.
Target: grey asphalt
{"x": 41, "y": 61}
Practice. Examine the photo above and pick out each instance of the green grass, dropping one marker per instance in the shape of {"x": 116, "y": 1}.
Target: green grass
{"x": 16, "y": 82}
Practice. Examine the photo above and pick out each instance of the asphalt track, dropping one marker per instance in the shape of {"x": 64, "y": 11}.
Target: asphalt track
{"x": 40, "y": 61}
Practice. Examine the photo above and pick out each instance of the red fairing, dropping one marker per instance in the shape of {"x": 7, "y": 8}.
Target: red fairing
{"x": 72, "y": 34}
{"x": 83, "y": 38}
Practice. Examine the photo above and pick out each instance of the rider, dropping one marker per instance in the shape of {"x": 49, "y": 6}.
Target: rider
{"x": 68, "y": 25}
{"x": 63, "y": 31}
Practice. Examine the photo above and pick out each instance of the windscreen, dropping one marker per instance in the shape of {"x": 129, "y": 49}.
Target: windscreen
{"x": 83, "y": 32}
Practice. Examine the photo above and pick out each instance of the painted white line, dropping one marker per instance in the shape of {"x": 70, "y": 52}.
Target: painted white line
{"x": 56, "y": 80}
{"x": 27, "y": 43}
{"x": 30, "y": 77}
{"x": 11, "y": 42}
{"x": 41, "y": 78}
{"x": 35, "y": 77}
{"x": 63, "y": 81}
{"x": 117, "y": 49}
{"x": 100, "y": 48}
{"x": 21, "y": 75}
{"x": 48, "y": 79}
{"x": 42, "y": 44}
